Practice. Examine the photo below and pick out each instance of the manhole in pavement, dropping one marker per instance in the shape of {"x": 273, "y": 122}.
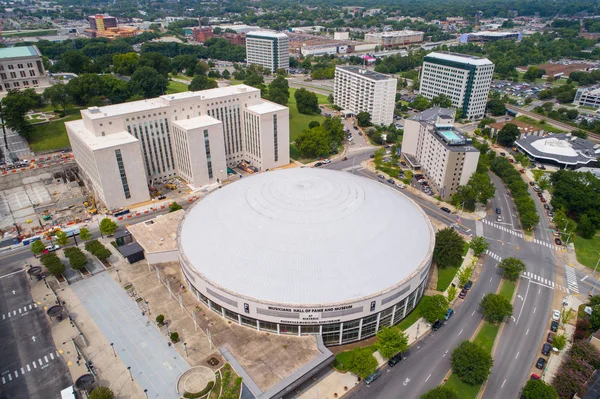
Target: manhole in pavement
{"x": 213, "y": 361}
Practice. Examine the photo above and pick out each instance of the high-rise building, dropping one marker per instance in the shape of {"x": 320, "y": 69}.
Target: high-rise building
{"x": 357, "y": 89}
{"x": 269, "y": 49}
{"x": 466, "y": 79}
{"x": 123, "y": 148}
{"x": 432, "y": 144}
{"x": 22, "y": 68}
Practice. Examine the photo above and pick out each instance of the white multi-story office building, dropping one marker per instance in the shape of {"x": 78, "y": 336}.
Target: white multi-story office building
{"x": 395, "y": 38}
{"x": 444, "y": 155}
{"x": 22, "y": 68}
{"x": 357, "y": 89}
{"x": 123, "y": 148}
{"x": 465, "y": 79}
{"x": 588, "y": 96}
{"x": 269, "y": 49}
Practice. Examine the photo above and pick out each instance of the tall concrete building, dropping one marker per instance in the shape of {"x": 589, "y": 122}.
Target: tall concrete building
{"x": 432, "y": 144}
{"x": 465, "y": 79}
{"x": 121, "y": 149}
{"x": 356, "y": 89}
{"x": 269, "y": 49}
{"x": 22, "y": 68}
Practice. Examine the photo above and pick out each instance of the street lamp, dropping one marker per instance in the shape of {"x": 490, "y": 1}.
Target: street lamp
{"x": 118, "y": 275}
{"x": 146, "y": 393}
{"x": 6, "y": 150}
{"x": 185, "y": 348}
{"x": 112, "y": 345}
{"x": 129, "y": 369}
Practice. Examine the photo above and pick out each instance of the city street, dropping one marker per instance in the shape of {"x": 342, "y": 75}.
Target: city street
{"x": 30, "y": 366}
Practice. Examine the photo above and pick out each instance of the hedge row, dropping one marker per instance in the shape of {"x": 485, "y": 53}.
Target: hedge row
{"x": 52, "y": 263}
{"x": 194, "y": 395}
{"x": 97, "y": 249}
{"x": 76, "y": 257}
{"x": 519, "y": 190}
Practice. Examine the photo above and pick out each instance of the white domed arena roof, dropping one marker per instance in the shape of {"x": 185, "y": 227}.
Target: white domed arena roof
{"x": 306, "y": 236}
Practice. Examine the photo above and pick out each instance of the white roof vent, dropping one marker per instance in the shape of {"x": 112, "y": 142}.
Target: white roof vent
{"x": 94, "y": 110}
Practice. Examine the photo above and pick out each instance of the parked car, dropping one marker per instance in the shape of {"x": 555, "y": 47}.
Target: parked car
{"x": 52, "y": 247}
{"x": 360, "y": 133}
{"x": 326, "y": 161}
{"x": 449, "y": 313}
{"x": 345, "y": 159}
{"x": 162, "y": 197}
{"x": 550, "y": 337}
{"x": 556, "y": 315}
{"x": 554, "y": 326}
{"x": 557, "y": 241}
{"x": 534, "y": 377}
{"x": 539, "y": 194}
{"x": 522, "y": 170}
{"x": 400, "y": 185}
{"x": 394, "y": 360}
{"x": 556, "y": 233}
{"x": 371, "y": 378}
{"x": 446, "y": 209}
{"x": 546, "y": 349}
{"x": 540, "y": 363}
{"x": 318, "y": 164}
{"x": 436, "y": 326}
{"x": 355, "y": 127}
{"x": 498, "y": 211}
{"x": 462, "y": 294}
{"x": 503, "y": 154}
{"x": 536, "y": 189}
{"x": 381, "y": 176}
{"x": 532, "y": 183}
{"x": 549, "y": 213}
{"x": 391, "y": 181}
{"x": 498, "y": 218}
{"x": 372, "y": 156}
{"x": 542, "y": 199}
{"x": 468, "y": 285}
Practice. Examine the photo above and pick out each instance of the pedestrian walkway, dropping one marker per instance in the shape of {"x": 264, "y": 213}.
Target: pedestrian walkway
{"x": 544, "y": 281}
{"x": 547, "y": 244}
{"x": 38, "y": 364}
{"x": 21, "y": 311}
{"x": 351, "y": 168}
{"x": 572, "y": 279}
{"x": 503, "y": 228}
{"x": 493, "y": 255}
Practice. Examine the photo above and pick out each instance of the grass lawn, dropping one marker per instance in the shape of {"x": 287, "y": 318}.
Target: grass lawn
{"x": 486, "y": 336}
{"x": 413, "y": 316}
{"x": 53, "y": 135}
{"x": 182, "y": 77}
{"x": 538, "y": 174}
{"x": 343, "y": 358}
{"x": 27, "y": 33}
{"x": 465, "y": 391}
{"x": 546, "y": 126}
{"x": 445, "y": 277}
{"x": 587, "y": 251}
{"x": 508, "y": 288}
{"x": 235, "y": 82}
{"x": 299, "y": 122}
{"x": 176, "y": 87}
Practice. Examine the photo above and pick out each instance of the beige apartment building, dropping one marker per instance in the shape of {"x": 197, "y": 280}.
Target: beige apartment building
{"x": 433, "y": 145}
{"x": 122, "y": 149}
{"x": 395, "y": 38}
{"x": 22, "y": 68}
{"x": 357, "y": 89}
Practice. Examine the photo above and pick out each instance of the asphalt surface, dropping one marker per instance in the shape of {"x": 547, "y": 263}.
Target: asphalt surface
{"x": 30, "y": 366}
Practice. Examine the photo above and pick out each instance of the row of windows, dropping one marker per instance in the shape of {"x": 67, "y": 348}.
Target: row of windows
{"x": 208, "y": 158}
{"x": 123, "y": 174}
{"x": 13, "y": 75}
{"x": 19, "y": 66}
{"x": 16, "y": 85}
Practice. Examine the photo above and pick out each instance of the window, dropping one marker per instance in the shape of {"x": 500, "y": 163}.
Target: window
{"x": 208, "y": 158}
{"x": 31, "y": 72}
{"x": 123, "y": 174}
{"x": 275, "y": 138}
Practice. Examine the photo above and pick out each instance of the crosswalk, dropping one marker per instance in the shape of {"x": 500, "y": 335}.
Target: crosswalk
{"x": 351, "y": 168}
{"x": 493, "y": 255}
{"x": 547, "y": 244}
{"x": 544, "y": 281}
{"x": 572, "y": 279}
{"x": 40, "y": 363}
{"x": 20, "y": 311}
{"x": 503, "y": 228}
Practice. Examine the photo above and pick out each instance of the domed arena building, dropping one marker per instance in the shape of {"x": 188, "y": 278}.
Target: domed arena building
{"x": 308, "y": 251}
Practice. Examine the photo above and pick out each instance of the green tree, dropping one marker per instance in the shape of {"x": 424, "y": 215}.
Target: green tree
{"x": 442, "y": 101}
{"x": 495, "y": 308}
{"x": 522, "y": 159}
{"x": 174, "y": 206}
{"x": 160, "y": 63}
{"x": 279, "y": 91}
{"x": 160, "y": 319}
{"x": 58, "y": 96}
{"x": 202, "y": 82}
{"x": 37, "y": 247}
{"x": 440, "y": 392}
{"x": 108, "y": 227}
{"x": 560, "y": 341}
{"x": 496, "y": 107}
{"x": 543, "y": 183}
{"x": 362, "y": 362}
{"x": 390, "y": 340}
{"x": 538, "y": 389}
{"x": 434, "y": 308}
{"x": 330, "y": 99}
{"x": 125, "y": 64}
{"x": 15, "y": 105}
{"x": 148, "y": 82}
{"x": 313, "y": 143}
{"x": 452, "y": 291}
{"x": 101, "y": 392}
{"x": 448, "y": 249}
{"x": 464, "y": 276}
{"x": 420, "y": 103}
{"x": 508, "y": 134}
{"x": 52, "y": 263}
{"x": 512, "y": 268}
{"x": 533, "y": 73}
{"x": 363, "y": 119}
{"x": 306, "y": 102}
{"x": 226, "y": 74}
{"x": 77, "y": 258}
{"x": 585, "y": 227}
{"x": 471, "y": 363}
{"x": 61, "y": 238}
{"x": 84, "y": 234}
{"x": 479, "y": 245}
{"x": 254, "y": 80}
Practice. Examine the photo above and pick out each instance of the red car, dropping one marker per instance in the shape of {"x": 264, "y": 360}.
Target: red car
{"x": 550, "y": 338}
{"x": 522, "y": 170}
{"x": 542, "y": 199}
{"x": 462, "y": 294}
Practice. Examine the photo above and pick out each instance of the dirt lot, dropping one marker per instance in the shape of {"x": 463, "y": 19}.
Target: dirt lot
{"x": 553, "y": 69}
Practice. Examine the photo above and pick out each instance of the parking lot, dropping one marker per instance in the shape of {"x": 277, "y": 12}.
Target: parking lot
{"x": 521, "y": 89}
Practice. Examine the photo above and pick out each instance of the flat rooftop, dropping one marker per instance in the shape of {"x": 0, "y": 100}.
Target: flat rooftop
{"x": 396, "y": 33}
{"x": 493, "y": 34}
{"x": 17, "y": 52}
{"x": 158, "y": 234}
{"x": 561, "y": 148}
{"x": 199, "y": 121}
{"x": 266, "y": 34}
{"x": 99, "y": 142}
{"x": 266, "y": 107}
{"x": 456, "y": 57}
{"x": 367, "y": 73}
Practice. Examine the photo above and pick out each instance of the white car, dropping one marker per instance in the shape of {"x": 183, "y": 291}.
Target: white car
{"x": 52, "y": 248}
{"x": 400, "y": 185}
{"x": 556, "y": 315}
{"x": 326, "y": 161}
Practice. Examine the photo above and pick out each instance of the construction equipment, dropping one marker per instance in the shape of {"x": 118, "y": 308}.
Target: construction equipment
{"x": 47, "y": 217}
{"x": 247, "y": 168}
{"x": 171, "y": 186}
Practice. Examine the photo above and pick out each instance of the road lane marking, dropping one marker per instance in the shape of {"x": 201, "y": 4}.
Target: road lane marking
{"x": 583, "y": 279}
{"x": 516, "y": 357}
{"x": 460, "y": 332}
{"x": 51, "y": 356}
{"x": 534, "y": 309}
{"x": 524, "y": 299}
{"x": 527, "y": 332}
{"x": 28, "y": 368}
{"x": 427, "y": 379}
{"x": 10, "y": 274}
{"x": 491, "y": 279}
{"x": 473, "y": 313}
{"x": 22, "y": 371}
{"x": 503, "y": 384}
{"x": 46, "y": 359}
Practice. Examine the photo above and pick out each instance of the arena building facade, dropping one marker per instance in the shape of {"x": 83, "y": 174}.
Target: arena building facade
{"x": 308, "y": 251}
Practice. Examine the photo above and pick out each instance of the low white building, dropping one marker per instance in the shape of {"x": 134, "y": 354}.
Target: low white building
{"x": 123, "y": 148}
{"x": 357, "y": 89}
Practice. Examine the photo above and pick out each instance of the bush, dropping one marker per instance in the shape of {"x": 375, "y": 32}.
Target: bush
{"x": 101, "y": 392}
{"x": 362, "y": 362}
{"x": 190, "y": 395}
{"x": 495, "y": 307}
{"x": 97, "y": 249}
{"x": 441, "y": 392}
{"x": 52, "y": 263}
{"x": 174, "y": 336}
{"x": 160, "y": 319}
{"x": 560, "y": 341}
{"x": 76, "y": 257}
